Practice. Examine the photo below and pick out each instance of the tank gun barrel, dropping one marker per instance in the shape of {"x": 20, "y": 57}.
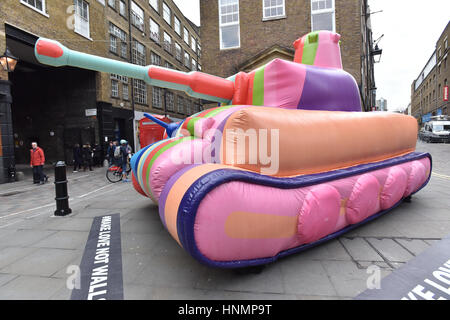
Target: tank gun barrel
{"x": 195, "y": 84}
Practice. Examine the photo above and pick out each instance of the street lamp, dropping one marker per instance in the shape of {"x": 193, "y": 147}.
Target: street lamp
{"x": 8, "y": 61}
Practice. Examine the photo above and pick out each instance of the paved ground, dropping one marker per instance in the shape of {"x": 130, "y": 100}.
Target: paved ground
{"x": 36, "y": 248}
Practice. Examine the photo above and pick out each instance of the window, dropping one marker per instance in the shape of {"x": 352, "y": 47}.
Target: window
{"x": 114, "y": 88}
{"x": 188, "y": 107}
{"x": 199, "y": 50}
{"x": 322, "y": 15}
{"x": 168, "y": 65}
{"x": 273, "y": 9}
{"x": 123, "y": 8}
{"x": 116, "y": 34}
{"x": 112, "y": 43}
{"x": 445, "y": 43}
{"x": 139, "y": 56}
{"x": 154, "y": 31}
{"x": 39, "y": 5}
{"x": 125, "y": 91}
{"x": 157, "y": 97}
{"x": 186, "y": 35}
{"x": 229, "y": 24}
{"x": 154, "y": 4}
{"x": 199, "y": 67}
{"x": 180, "y": 105}
{"x": 155, "y": 59}
{"x": 170, "y": 101}
{"x": 177, "y": 25}
{"x": 102, "y": 2}
{"x": 137, "y": 16}
{"x": 193, "y": 44}
{"x": 187, "y": 59}
{"x": 82, "y": 18}
{"x": 112, "y": 3}
{"x": 178, "y": 52}
{"x": 140, "y": 91}
{"x": 194, "y": 65}
{"x": 166, "y": 13}
{"x": 167, "y": 42}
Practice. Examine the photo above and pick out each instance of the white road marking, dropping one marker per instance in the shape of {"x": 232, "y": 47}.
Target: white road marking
{"x": 442, "y": 176}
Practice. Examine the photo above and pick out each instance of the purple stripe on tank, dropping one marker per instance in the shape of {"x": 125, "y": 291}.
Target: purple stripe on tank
{"x": 329, "y": 89}
{"x": 166, "y": 190}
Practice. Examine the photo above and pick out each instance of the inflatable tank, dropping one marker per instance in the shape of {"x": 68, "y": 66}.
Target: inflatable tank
{"x": 287, "y": 161}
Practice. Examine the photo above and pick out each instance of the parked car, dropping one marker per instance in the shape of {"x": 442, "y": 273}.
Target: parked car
{"x": 436, "y": 130}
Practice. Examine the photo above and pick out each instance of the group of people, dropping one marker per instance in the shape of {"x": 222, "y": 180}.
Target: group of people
{"x": 85, "y": 157}
{"x": 118, "y": 155}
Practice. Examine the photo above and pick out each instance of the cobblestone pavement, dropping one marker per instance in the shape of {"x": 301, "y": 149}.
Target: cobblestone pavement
{"x": 36, "y": 248}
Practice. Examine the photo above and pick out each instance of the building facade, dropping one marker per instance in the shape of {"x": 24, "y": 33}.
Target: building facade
{"x": 59, "y": 107}
{"x": 241, "y": 35}
{"x": 429, "y": 92}
{"x": 381, "y": 105}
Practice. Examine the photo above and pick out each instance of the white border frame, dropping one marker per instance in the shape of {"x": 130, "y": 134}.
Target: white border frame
{"x": 44, "y": 8}
{"x": 274, "y": 17}
{"x": 324, "y": 11}
{"x": 230, "y": 24}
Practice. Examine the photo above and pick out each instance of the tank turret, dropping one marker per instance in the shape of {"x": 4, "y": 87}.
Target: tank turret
{"x": 316, "y": 72}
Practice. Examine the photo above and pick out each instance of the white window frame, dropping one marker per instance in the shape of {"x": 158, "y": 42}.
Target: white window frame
{"x": 158, "y": 38}
{"x": 136, "y": 18}
{"x": 79, "y": 20}
{"x": 155, "y": 59}
{"x": 165, "y": 6}
{"x": 150, "y": 2}
{"x": 112, "y": 3}
{"x": 138, "y": 57}
{"x": 178, "y": 52}
{"x": 193, "y": 44}
{"x": 167, "y": 44}
{"x": 186, "y": 35}
{"x": 157, "y": 97}
{"x": 122, "y": 8}
{"x": 180, "y": 105}
{"x": 187, "y": 59}
{"x": 125, "y": 92}
{"x": 276, "y": 16}
{"x": 228, "y": 25}
{"x": 43, "y": 11}
{"x": 170, "y": 101}
{"x": 319, "y": 11}
{"x": 114, "y": 88}
{"x": 140, "y": 91}
{"x": 177, "y": 27}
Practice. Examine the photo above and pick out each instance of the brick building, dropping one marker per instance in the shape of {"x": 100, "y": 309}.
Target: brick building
{"x": 58, "y": 107}
{"x": 243, "y": 35}
{"x": 429, "y": 92}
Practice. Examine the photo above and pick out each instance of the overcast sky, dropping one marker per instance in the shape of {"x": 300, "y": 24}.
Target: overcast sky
{"x": 411, "y": 29}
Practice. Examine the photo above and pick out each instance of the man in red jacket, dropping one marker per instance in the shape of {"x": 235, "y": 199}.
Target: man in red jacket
{"x": 37, "y": 161}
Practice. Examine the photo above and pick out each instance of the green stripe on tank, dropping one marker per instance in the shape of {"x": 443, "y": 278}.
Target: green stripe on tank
{"x": 157, "y": 154}
{"x": 258, "y": 87}
{"x": 191, "y": 125}
{"x": 310, "y": 48}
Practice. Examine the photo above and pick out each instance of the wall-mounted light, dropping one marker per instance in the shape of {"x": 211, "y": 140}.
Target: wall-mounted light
{"x": 8, "y": 61}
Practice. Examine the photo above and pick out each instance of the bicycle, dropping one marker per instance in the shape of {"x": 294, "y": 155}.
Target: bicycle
{"x": 115, "y": 173}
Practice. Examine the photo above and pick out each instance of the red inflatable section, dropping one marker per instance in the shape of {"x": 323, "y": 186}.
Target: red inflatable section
{"x": 136, "y": 185}
{"x": 150, "y": 132}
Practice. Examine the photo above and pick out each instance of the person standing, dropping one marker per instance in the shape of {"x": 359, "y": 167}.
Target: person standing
{"x": 125, "y": 151}
{"x": 37, "y": 161}
{"x": 87, "y": 156}
{"x": 77, "y": 158}
{"x": 110, "y": 153}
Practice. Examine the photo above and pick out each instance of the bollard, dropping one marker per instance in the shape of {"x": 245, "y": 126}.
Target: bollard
{"x": 62, "y": 197}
